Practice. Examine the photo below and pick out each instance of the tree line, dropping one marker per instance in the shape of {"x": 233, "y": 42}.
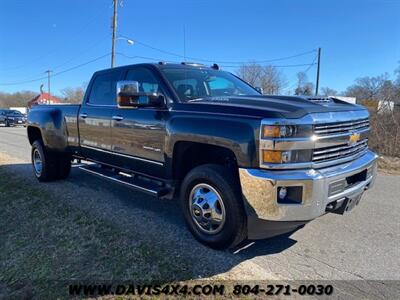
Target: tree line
{"x": 21, "y": 99}
{"x": 269, "y": 78}
{"x": 273, "y": 81}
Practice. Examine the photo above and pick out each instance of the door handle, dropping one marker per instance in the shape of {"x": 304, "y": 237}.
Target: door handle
{"x": 83, "y": 115}
{"x": 117, "y": 118}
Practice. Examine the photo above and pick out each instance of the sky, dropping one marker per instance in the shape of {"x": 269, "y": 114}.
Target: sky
{"x": 73, "y": 37}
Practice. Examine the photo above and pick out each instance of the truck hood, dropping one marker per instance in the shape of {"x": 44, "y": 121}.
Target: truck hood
{"x": 268, "y": 106}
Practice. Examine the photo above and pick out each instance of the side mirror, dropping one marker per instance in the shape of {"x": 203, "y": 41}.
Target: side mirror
{"x": 128, "y": 95}
{"x": 259, "y": 89}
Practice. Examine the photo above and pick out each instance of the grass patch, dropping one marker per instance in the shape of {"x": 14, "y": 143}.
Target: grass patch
{"x": 45, "y": 243}
{"x": 390, "y": 165}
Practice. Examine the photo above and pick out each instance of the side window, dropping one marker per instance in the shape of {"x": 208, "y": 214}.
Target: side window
{"x": 147, "y": 80}
{"x": 103, "y": 90}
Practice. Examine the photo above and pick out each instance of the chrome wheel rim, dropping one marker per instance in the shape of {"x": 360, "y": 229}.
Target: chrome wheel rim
{"x": 207, "y": 208}
{"x": 37, "y": 162}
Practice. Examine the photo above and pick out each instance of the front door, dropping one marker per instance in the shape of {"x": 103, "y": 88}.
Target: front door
{"x": 138, "y": 134}
{"x": 95, "y": 117}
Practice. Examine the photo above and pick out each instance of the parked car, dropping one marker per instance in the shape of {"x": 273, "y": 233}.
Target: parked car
{"x": 10, "y": 117}
{"x": 243, "y": 165}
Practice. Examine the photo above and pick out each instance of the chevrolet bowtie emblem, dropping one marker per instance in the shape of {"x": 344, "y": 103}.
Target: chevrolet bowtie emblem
{"x": 354, "y": 138}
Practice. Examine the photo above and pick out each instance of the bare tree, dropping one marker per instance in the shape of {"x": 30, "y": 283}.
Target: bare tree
{"x": 269, "y": 78}
{"x": 272, "y": 80}
{"x": 16, "y": 99}
{"x": 381, "y": 95}
{"x": 326, "y": 91}
{"x": 367, "y": 88}
{"x": 304, "y": 87}
{"x": 73, "y": 95}
{"x": 251, "y": 73}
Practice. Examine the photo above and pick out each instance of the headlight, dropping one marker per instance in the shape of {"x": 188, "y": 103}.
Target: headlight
{"x": 285, "y": 131}
{"x": 278, "y": 131}
{"x": 283, "y": 157}
{"x": 279, "y": 143}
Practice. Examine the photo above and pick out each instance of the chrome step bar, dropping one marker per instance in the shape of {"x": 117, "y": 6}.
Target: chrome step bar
{"x": 130, "y": 180}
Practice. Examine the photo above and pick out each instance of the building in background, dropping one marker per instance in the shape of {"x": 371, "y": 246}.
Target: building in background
{"x": 347, "y": 99}
{"x": 22, "y": 110}
{"x": 43, "y": 98}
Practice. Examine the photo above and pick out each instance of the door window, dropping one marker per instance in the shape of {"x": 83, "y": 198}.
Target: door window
{"x": 103, "y": 91}
{"x": 147, "y": 81}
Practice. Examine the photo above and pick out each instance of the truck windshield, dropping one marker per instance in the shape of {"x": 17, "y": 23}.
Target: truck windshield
{"x": 192, "y": 84}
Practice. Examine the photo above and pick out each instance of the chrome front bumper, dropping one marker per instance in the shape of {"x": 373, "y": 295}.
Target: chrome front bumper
{"x": 259, "y": 188}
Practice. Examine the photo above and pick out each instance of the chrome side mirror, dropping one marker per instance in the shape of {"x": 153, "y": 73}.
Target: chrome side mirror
{"x": 259, "y": 89}
{"x": 128, "y": 95}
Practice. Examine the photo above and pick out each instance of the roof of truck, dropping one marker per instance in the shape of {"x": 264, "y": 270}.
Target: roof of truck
{"x": 164, "y": 65}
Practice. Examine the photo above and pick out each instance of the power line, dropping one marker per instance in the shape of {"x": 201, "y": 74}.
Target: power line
{"x": 127, "y": 56}
{"x": 271, "y": 60}
{"x": 71, "y": 59}
{"x": 225, "y": 66}
{"x": 223, "y": 62}
{"x": 142, "y": 57}
{"x": 81, "y": 65}
{"x": 57, "y": 73}
{"x": 94, "y": 17}
{"x": 305, "y": 72}
{"x": 277, "y": 66}
{"x": 92, "y": 46}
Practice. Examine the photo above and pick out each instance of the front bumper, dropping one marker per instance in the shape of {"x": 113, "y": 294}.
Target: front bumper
{"x": 260, "y": 188}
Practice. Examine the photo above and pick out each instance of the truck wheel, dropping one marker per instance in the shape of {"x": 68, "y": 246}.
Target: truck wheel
{"x": 44, "y": 163}
{"x": 212, "y": 205}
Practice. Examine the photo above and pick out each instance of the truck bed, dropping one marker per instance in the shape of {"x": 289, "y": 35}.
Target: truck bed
{"x": 60, "y": 122}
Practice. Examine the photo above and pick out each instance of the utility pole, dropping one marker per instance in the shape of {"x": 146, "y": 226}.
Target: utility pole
{"x": 114, "y": 33}
{"x": 318, "y": 65}
{"x": 48, "y": 84}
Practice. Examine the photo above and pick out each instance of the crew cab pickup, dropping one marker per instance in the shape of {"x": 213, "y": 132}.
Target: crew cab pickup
{"x": 243, "y": 165}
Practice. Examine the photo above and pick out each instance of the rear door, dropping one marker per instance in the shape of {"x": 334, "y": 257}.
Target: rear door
{"x": 95, "y": 116}
{"x": 138, "y": 134}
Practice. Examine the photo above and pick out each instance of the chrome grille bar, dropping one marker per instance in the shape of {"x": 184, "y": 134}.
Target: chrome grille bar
{"x": 324, "y": 154}
{"x": 342, "y": 127}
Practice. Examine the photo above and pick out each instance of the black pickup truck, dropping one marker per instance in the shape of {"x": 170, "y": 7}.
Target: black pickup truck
{"x": 242, "y": 164}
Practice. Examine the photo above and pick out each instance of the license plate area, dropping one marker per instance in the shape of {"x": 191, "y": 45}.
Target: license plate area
{"x": 356, "y": 178}
{"x": 343, "y": 184}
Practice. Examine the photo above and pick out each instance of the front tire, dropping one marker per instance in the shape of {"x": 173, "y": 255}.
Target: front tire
{"x": 211, "y": 202}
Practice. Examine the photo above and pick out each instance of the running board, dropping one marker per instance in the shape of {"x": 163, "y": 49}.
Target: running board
{"x": 130, "y": 180}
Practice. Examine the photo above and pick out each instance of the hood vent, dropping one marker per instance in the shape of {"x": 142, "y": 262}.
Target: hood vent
{"x": 320, "y": 100}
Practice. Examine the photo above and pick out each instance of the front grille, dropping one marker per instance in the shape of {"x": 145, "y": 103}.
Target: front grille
{"x": 341, "y": 151}
{"x": 341, "y": 127}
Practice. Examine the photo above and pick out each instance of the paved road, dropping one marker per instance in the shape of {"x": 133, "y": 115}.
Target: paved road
{"x": 364, "y": 244}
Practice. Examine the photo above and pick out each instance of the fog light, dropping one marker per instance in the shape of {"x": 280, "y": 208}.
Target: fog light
{"x": 282, "y": 192}
{"x": 290, "y": 194}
